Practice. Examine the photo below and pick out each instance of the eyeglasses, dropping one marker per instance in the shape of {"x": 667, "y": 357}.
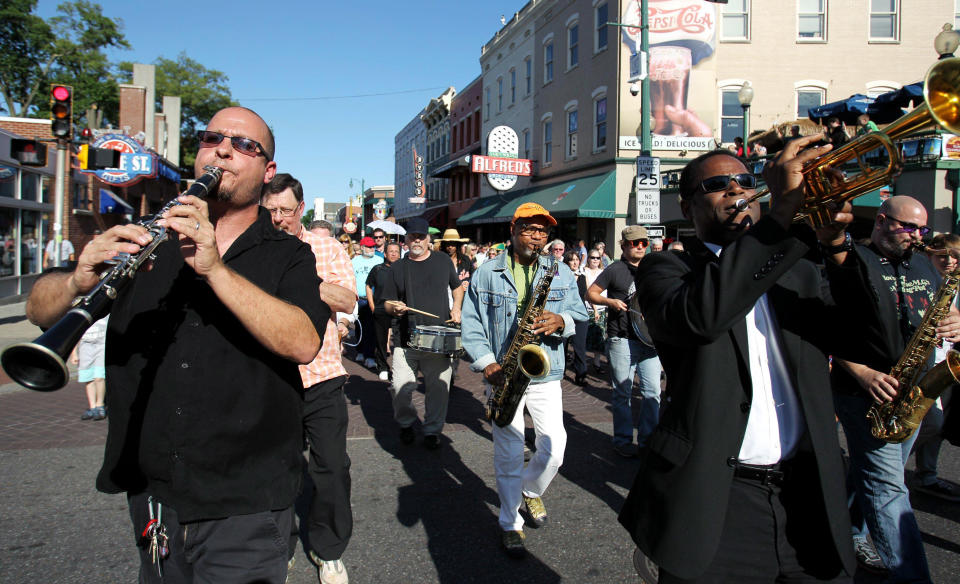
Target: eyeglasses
{"x": 528, "y": 230}
{"x": 242, "y": 145}
{"x": 283, "y": 212}
{"x": 558, "y": 250}
{"x": 637, "y": 242}
{"x": 720, "y": 182}
{"x": 909, "y": 227}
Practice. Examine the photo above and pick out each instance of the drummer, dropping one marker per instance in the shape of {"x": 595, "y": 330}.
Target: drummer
{"x": 418, "y": 284}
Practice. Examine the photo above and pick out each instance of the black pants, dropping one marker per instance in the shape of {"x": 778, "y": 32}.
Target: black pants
{"x": 382, "y": 322}
{"x": 325, "y": 426}
{"x": 774, "y": 534}
{"x": 242, "y": 548}
{"x": 368, "y": 340}
{"x": 579, "y": 342}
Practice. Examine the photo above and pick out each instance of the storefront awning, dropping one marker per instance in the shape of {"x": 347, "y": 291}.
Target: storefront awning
{"x": 483, "y": 210}
{"x": 446, "y": 171}
{"x": 588, "y": 196}
{"x": 111, "y": 203}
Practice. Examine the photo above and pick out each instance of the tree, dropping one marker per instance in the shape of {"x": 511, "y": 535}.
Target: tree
{"x": 202, "y": 93}
{"x": 68, "y": 49}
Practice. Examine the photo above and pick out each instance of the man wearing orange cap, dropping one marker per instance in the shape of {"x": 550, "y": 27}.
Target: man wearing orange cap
{"x": 497, "y": 297}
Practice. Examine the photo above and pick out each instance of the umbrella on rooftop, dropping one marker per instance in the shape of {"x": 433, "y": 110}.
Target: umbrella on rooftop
{"x": 847, "y": 110}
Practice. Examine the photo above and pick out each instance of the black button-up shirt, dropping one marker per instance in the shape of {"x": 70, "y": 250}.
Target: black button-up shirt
{"x": 202, "y": 416}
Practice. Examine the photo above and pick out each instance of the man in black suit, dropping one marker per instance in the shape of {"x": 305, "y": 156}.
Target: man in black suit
{"x": 742, "y": 480}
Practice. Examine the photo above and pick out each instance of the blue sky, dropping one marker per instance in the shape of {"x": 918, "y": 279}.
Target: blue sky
{"x": 278, "y": 53}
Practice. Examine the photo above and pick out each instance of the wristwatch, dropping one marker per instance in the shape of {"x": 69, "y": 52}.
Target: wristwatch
{"x": 847, "y": 245}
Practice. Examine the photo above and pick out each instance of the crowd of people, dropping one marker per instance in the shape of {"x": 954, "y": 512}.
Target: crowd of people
{"x": 740, "y": 471}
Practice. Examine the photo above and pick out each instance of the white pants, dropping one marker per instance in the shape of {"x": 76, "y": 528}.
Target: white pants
{"x": 436, "y": 371}
{"x": 543, "y": 401}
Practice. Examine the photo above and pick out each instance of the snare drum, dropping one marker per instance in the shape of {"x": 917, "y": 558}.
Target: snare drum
{"x": 442, "y": 340}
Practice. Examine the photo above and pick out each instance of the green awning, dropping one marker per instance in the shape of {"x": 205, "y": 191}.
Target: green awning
{"x": 483, "y": 210}
{"x": 873, "y": 198}
{"x": 588, "y": 196}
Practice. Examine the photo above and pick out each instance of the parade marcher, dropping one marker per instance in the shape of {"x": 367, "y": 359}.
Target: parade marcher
{"x": 905, "y": 282}
{"x": 382, "y": 322}
{"x": 324, "y": 405}
{"x": 363, "y": 263}
{"x": 742, "y": 480}
{"x": 204, "y": 427}
{"x": 627, "y": 352}
{"x": 421, "y": 281}
{"x": 944, "y": 254}
{"x": 497, "y": 298}
{"x": 450, "y": 246}
{"x": 579, "y": 339}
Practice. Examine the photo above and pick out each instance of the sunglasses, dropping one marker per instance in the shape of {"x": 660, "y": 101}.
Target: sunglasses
{"x": 529, "y": 230}
{"x": 721, "y": 181}
{"x": 909, "y": 227}
{"x": 593, "y": 257}
{"x": 637, "y": 242}
{"x": 242, "y": 145}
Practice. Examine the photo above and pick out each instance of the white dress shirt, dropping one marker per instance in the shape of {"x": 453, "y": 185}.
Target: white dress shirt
{"x": 775, "y": 424}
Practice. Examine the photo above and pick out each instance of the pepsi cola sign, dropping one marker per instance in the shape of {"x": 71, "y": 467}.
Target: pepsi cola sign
{"x": 136, "y": 163}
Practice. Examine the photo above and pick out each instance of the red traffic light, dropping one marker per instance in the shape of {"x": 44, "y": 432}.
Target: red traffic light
{"x": 61, "y": 92}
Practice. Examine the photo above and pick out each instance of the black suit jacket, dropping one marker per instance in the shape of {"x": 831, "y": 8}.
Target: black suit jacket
{"x": 695, "y": 306}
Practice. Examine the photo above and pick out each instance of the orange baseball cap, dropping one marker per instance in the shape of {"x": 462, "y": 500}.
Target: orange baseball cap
{"x": 532, "y": 210}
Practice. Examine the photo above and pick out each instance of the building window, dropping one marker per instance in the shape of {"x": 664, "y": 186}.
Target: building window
{"x": 731, "y": 116}
{"x": 513, "y": 86}
{"x": 875, "y": 90}
{"x": 956, "y": 14}
{"x": 812, "y": 20}
{"x": 526, "y": 144}
{"x": 884, "y": 20}
{"x": 528, "y": 64}
{"x": 572, "y": 134}
{"x": 476, "y": 127}
{"x": 807, "y": 98}
{"x": 600, "y": 124}
{"x": 547, "y": 142}
{"x": 573, "y": 46}
{"x": 499, "y": 94}
{"x": 600, "y": 38}
{"x": 487, "y": 96}
{"x": 454, "y": 136}
{"x": 735, "y": 20}
{"x": 548, "y": 63}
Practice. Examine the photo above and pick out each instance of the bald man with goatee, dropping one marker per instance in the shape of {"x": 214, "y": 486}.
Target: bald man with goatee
{"x": 905, "y": 283}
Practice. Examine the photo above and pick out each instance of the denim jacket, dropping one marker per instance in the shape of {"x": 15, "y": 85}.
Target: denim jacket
{"x": 489, "y": 319}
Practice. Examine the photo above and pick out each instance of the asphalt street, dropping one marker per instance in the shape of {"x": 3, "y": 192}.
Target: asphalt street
{"x": 419, "y": 515}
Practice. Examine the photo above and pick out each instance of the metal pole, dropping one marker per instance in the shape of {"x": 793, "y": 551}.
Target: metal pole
{"x": 746, "y": 127}
{"x": 59, "y": 193}
{"x": 363, "y": 205}
{"x": 645, "y": 143}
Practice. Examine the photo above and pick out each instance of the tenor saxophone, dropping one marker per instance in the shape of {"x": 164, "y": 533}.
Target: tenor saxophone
{"x": 525, "y": 359}
{"x": 895, "y": 421}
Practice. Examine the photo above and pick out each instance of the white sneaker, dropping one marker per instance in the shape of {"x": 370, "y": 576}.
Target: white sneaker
{"x": 369, "y": 363}
{"x": 384, "y": 376}
{"x": 360, "y": 358}
{"x": 332, "y": 572}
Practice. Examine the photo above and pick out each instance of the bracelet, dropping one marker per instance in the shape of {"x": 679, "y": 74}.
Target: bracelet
{"x": 846, "y": 246}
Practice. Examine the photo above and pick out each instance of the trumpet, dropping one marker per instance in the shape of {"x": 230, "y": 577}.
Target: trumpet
{"x": 41, "y": 364}
{"x": 826, "y": 187}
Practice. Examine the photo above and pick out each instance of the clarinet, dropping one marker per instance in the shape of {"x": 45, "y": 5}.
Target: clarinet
{"x": 41, "y": 364}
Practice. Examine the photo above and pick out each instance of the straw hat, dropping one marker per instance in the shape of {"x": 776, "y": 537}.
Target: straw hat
{"x": 452, "y": 235}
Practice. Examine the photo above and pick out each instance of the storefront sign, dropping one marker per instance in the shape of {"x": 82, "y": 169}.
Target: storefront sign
{"x": 670, "y": 143}
{"x": 488, "y": 164}
{"x": 418, "y": 188}
{"x": 504, "y": 144}
{"x": 136, "y": 163}
{"x": 951, "y": 147}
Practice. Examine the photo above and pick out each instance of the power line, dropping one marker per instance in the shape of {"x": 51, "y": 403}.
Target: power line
{"x": 328, "y": 97}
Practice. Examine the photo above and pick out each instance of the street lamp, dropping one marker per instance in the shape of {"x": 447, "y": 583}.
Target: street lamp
{"x": 745, "y": 96}
{"x": 946, "y": 41}
{"x": 362, "y": 202}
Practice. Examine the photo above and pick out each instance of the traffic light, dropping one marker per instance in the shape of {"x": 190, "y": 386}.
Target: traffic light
{"x": 28, "y": 152}
{"x": 98, "y": 158}
{"x": 61, "y": 111}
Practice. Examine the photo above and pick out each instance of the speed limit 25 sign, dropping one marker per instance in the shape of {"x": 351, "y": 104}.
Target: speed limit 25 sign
{"x": 648, "y": 190}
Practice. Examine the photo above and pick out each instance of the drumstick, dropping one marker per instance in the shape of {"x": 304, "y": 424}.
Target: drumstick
{"x": 412, "y": 309}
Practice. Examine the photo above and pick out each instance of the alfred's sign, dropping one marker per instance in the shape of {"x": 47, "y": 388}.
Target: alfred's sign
{"x": 490, "y": 164}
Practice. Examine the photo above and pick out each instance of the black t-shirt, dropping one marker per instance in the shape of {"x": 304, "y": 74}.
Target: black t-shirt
{"x": 202, "y": 415}
{"x": 423, "y": 285}
{"x": 904, "y": 290}
{"x": 619, "y": 280}
{"x": 377, "y": 279}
